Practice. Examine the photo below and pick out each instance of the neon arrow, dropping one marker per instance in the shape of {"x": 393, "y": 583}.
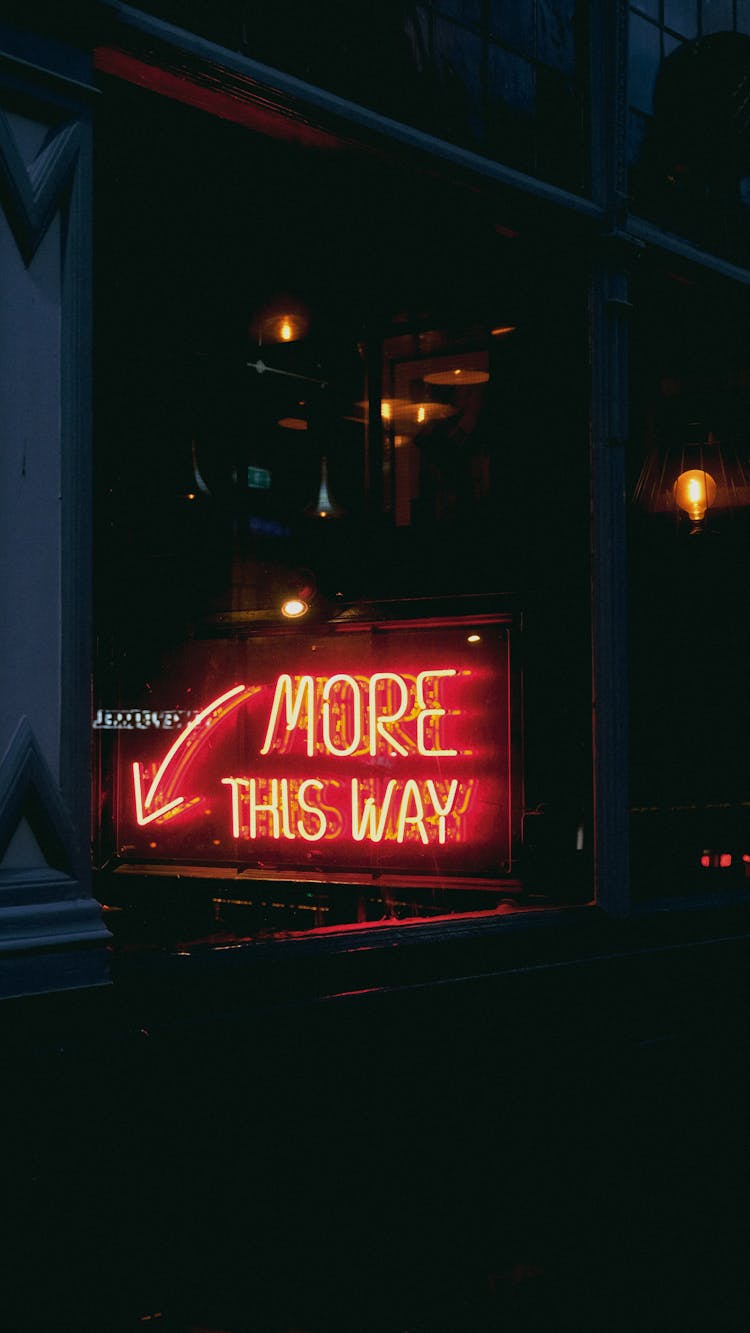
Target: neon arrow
{"x": 178, "y": 754}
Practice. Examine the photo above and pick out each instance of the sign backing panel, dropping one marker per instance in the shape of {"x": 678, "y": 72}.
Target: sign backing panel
{"x": 382, "y": 749}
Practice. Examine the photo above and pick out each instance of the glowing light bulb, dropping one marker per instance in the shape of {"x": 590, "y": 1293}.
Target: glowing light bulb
{"x": 386, "y": 411}
{"x": 420, "y": 414}
{"x": 285, "y": 331}
{"x": 695, "y": 492}
{"x": 293, "y": 607}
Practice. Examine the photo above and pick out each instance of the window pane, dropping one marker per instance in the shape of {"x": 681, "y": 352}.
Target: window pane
{"x": 637, "y": 128}
{"x": 695, "y": 153}
{"x": 644, "y": 47}
{"x": 464, "y": 11}
{"x": 689, "y": 532}
{"x": 511, "y": 80}
{"x": 682, "y": 16}
{"x": 717, "y": 16}
{"x": 558, "y": 118}
{"x": 329, "y": 482}
{"x": 556, "y": 20}
{"x": 457, "y": 57}
{"x": 513, "y": 24}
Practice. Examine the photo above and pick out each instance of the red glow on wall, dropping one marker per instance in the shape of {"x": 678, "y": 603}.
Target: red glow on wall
{"x": 365, "y": 751}
{"x": 243, "y": 105}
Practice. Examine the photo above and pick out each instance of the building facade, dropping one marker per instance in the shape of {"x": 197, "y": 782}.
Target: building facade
{"x": 375, "y": 501}
{"x": 425, "y": 342}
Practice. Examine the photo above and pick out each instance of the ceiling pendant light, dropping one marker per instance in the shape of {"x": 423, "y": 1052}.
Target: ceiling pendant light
{"x": 423, "y": 414}
{"x": 294, "y": 607}
{"x": 285, "y": 321}
{"x": 401, "y": 414}
{"x": 325, "y": 507}
{"x": 692, "y": 474}
{"x": 299, "y": 594}
{"x": 457, "y": 376}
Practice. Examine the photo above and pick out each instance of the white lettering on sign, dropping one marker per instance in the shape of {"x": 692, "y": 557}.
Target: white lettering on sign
{"x": 280, "y": 809}
{"x": 374, "y": 721}
{"x": 350, "y": 709}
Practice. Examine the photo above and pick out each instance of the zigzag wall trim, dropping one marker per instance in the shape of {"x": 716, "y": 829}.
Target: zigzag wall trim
{"x": 28, "y": 790}
{"x": 32, "y": 195}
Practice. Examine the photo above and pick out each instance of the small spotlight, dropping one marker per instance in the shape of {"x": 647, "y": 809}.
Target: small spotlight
{"x": 293, "y": 608}
{"x": 473, "y": 638}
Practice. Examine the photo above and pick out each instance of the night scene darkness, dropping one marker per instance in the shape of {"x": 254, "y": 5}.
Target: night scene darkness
{"x": 374, "y": 794}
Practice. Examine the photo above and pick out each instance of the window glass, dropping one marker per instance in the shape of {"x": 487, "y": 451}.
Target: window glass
{"x": 650, "y": 7}
{"x": 465, "y": 11}
{"x": 644, "y": 61}
{"x": 511, "y": 81}
{"x": 556, "y": 26}
{"x": 512, "y": 24}
{"x": 690, "y": 492}
{"x": 435, "y": 65}
{"x": 682, "y": 16}
{"x": 457, "y": 60}
{"x": 716, "y": 16}
{"x": 343, "y": 651}
{"x": 686, "y": 78}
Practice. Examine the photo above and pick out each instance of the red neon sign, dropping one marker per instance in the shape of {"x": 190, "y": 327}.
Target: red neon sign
{"x": 386, "y": 750}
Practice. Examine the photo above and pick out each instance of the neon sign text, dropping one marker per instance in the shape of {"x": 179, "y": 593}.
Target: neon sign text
{"x": 383, "y": 751}
{"x": 359, "y": 714}
{"x": 178, "y": 754}
{"x": 266, "y": 807}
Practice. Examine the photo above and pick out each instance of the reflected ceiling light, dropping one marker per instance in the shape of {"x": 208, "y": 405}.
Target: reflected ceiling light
{"x": 401, "y": 413}
{"x": 286, "y": 327}
{"x": 502, "y": 330}
{"x": 292, "y": 423}
{"x": 300, "y": 594}
{"x": 424, "y": 413}
{"x": 457, "y": 369}
{"x": 695, "y": 492}
{"x": 401, "y": 440}
{"x": 285, "y": 321}
{"x": 393, "y": 409}
{"x": 294, "y": 607}
{"x": 458, "y": 375}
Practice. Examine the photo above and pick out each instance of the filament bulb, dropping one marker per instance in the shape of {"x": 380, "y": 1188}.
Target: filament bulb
{"x": 695, "y": 492}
